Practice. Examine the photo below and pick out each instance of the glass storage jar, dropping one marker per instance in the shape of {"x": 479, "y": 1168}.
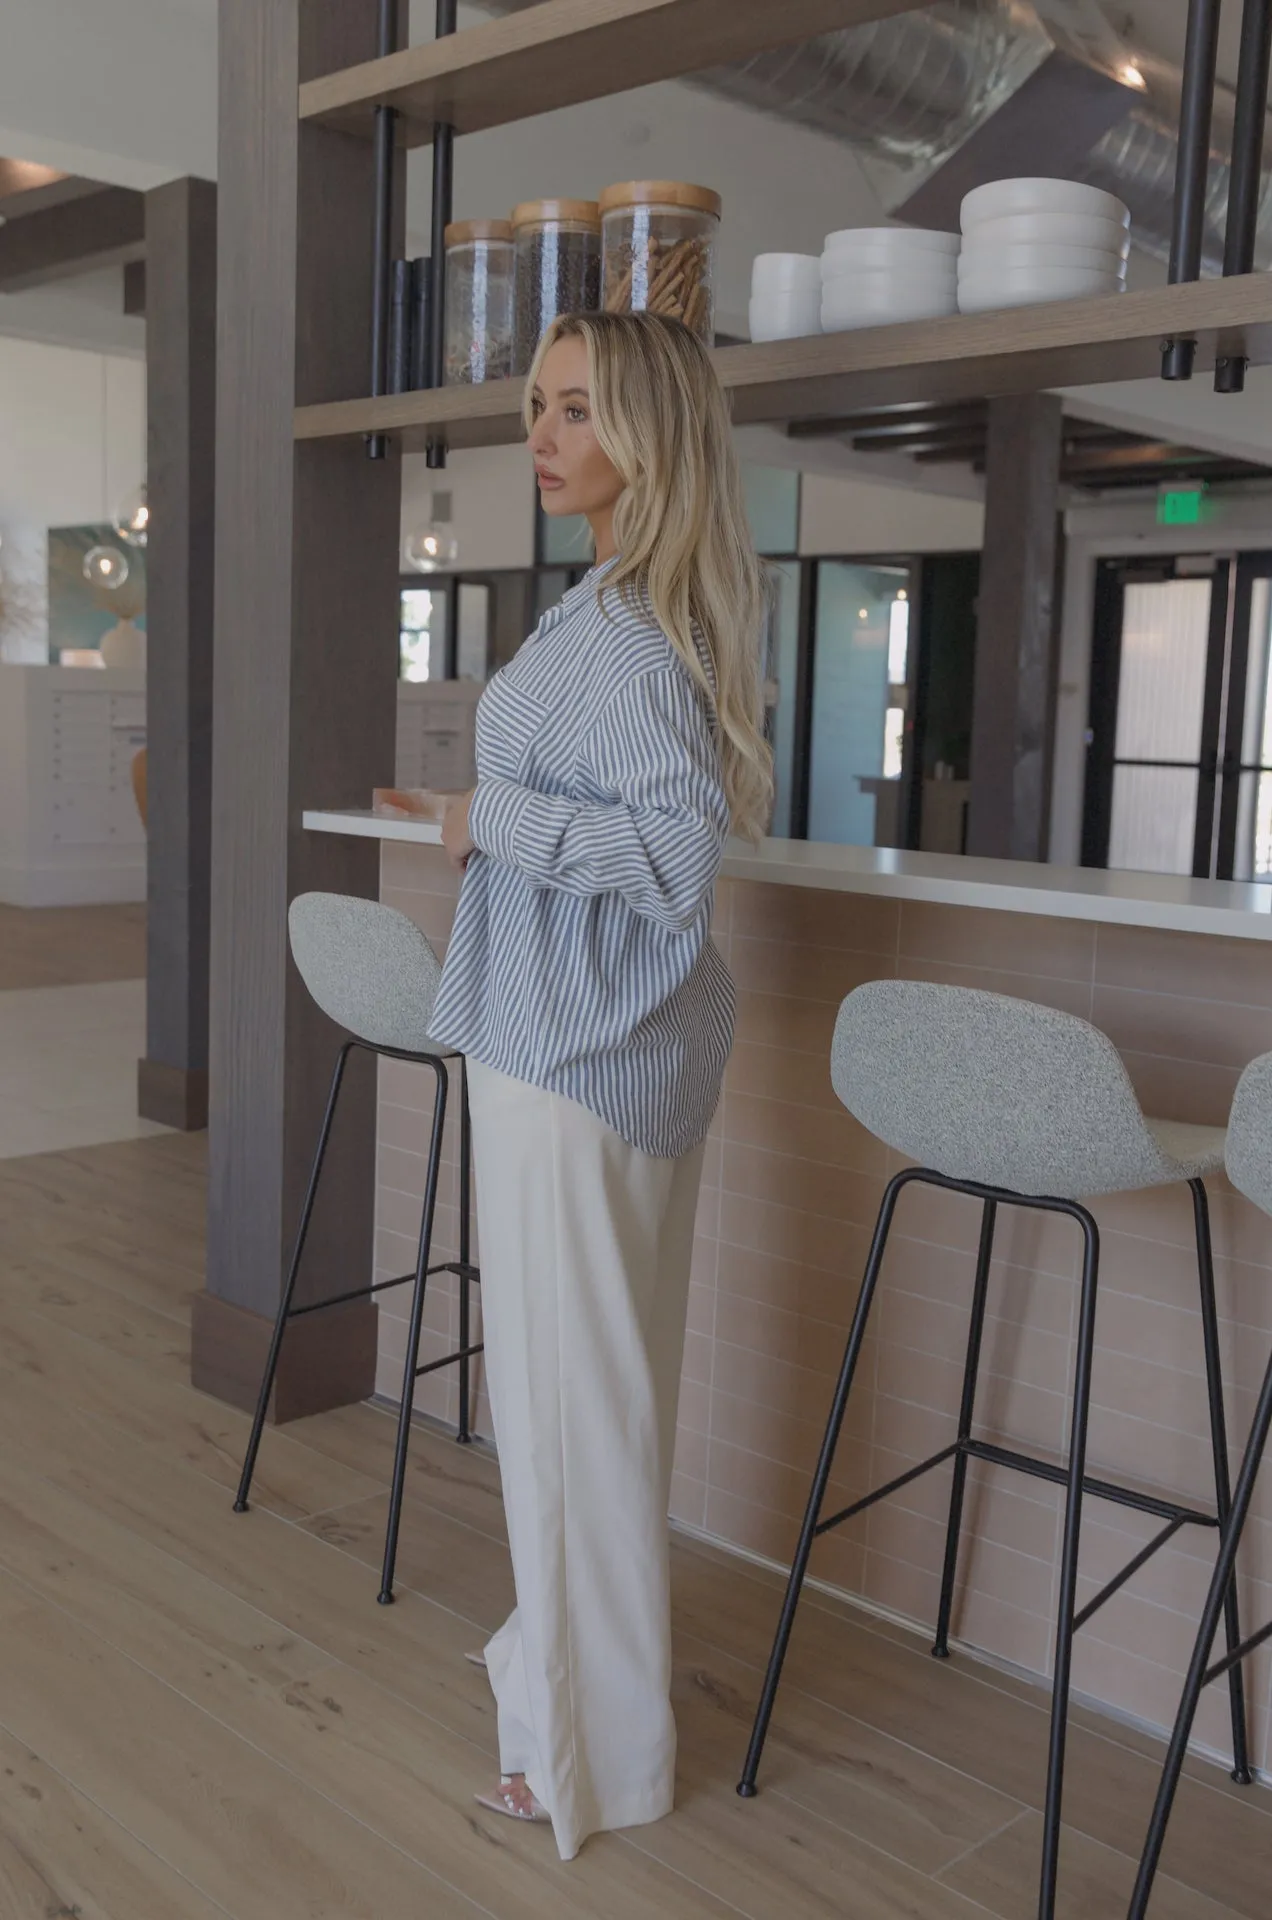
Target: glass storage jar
{"x": 658, "y": 247}
{"x": 480, "y": 263}
{"x": 558, "y": 268}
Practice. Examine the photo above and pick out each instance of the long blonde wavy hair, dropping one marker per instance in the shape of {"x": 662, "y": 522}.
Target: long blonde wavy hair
{"x": 685, "y": 550}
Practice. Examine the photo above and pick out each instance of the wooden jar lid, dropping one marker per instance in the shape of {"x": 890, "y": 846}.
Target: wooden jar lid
{"x": 463, "y": 232}
{"x": 661, "y": 193}
{"x": 542, "y": 213}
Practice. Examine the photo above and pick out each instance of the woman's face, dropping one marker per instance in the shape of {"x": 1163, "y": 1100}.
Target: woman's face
{"x": 574, "y": 475}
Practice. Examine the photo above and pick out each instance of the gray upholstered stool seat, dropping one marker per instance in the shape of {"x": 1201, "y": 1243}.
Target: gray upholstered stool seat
{"x": 1249, "y": 1164}
{"x": 1015, "y": 1105}
{"x": 375, "y": 975}
{"x": 368, "y": 967}
{"x": 1005, "y": 1092}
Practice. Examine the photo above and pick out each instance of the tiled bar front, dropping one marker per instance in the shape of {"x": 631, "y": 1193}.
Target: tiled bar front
{"x": 789, "y": 1197}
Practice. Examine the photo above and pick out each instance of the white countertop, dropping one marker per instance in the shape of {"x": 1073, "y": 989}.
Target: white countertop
{"x": 1231, "y": 908}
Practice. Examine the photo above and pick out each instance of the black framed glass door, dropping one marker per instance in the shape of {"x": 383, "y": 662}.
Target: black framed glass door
{"x": 1160, "y": 709}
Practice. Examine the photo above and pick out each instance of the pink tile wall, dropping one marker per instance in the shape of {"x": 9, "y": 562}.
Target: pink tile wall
{"x": 789, "y": 1197}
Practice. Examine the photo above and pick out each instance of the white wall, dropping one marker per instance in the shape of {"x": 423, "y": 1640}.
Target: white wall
{"x": 72, "y": 444}
{"x": 863, "y": 516}
{"x": 492, "y": 504}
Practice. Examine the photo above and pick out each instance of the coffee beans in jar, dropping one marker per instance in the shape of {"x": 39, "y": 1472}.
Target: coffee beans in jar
{"x": 480, "y": 263}
{"x": 658, "y": 251}
{"x": 558, "y": 268}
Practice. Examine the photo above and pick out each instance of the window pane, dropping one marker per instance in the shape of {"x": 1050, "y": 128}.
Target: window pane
{"x": 423, "y": 634}
{"x": 783, "y": 649}
{"x": 1252, "y": 856}
{"x": 1165, "y": 638}
{"x": 474, "y": 631}
{"x": 772, "y": 506}
{"x": 1154, "y": 819}
{"x": 851, "y": 726}
{"x": 1256, "y": 745}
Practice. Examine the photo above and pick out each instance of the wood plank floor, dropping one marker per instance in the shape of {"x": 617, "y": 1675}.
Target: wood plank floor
{"x": 71, "y": 946}
{"x": 203, "y": 1714}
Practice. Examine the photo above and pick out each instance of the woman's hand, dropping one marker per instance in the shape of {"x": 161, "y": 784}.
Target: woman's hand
{"x": 456, "y": 838}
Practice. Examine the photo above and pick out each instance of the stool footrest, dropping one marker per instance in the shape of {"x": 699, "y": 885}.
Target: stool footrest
{"x": 450, "y": 1359}
{"x": 1242, "y": 1652}
{"x": 1169, "y": 1510}
{"x": 463, "y": 1271}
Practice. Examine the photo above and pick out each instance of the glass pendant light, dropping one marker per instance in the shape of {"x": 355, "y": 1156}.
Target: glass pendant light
{"x": 105, "y": 567}
{"x": 132, "y": 517}
{"x": 433, "y": 547}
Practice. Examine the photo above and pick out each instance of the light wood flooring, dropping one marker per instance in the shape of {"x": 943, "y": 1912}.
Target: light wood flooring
{"x": 203, "y": 1714}
{"x": 71, "y": 946}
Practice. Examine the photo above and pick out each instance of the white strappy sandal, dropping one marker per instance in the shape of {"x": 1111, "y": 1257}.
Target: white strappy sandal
{"x": 503, "y": 1802}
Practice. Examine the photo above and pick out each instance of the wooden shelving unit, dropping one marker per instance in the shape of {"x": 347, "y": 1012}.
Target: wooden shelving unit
{"x": 972, "y": 356}
{"x": 563, "y": 52}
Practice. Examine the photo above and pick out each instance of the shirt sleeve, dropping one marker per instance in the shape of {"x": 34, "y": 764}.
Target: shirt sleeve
{"x": 659, "y": 843}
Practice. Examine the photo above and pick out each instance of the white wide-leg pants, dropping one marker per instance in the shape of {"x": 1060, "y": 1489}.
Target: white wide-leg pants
{"x": 585, "y": 1247}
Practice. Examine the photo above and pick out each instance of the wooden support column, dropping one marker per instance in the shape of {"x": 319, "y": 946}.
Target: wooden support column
{"x": 1013, "y": 698}
{"x": 305, "y": 697}
{"x": 172, "y": 1080}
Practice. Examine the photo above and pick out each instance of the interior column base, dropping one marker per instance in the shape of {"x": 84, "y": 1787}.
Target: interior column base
{"x": 328, "y": 1359}
{"x": 174, "y": 1096}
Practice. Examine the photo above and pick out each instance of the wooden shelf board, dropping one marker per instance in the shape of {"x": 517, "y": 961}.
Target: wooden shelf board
{"x": 563, "y": 52}
{"x": 971, "y": 356}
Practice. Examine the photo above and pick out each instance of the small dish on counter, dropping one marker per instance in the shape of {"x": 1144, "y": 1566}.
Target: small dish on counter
{"x": 1038, "y": 196}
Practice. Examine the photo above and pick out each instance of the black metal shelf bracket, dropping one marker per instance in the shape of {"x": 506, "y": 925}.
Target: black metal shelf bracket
{"x": 1246, "y": 180}
{"x": 443, "y": 199}
{"x": 382, "y": 229}
{"x": 1196, "y": 112}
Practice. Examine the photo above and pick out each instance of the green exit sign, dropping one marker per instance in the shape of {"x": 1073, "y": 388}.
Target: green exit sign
{"x": 1181, "y": 506}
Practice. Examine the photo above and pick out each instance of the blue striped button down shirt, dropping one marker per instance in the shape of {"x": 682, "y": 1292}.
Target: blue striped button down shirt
{"x": 581, "y": 959}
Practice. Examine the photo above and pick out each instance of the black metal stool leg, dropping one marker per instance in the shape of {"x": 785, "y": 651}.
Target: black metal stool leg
{"x": 1069, "y": 1561}
{"x": 1223, "y": 1485}
{"x": 971, "y": 1372}
{"x": 413, "y": 1335}
{"x": 284, "y": 1305}
{"x": 464, "y": 1435}
{"x": 1221, "y": 1582}
{"x": 817, "y": 1493}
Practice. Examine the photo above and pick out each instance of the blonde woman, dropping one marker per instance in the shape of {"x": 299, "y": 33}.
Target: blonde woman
{"x": 613, "y": 755}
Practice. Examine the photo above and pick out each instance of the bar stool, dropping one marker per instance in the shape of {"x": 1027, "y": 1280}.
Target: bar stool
{"x": 1249, "y": 1163}
{"x": 1016, "y": 1105}
{"x": 372, "y": 971}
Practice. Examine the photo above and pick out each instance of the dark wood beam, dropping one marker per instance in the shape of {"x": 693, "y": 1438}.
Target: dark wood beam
{"x": 943, "y": 453}
{"x": 923, "y": 433}
{"x": 1130, "y": 455}
{"x": 305, "y": 694}
{"x": 27, "y": 188}
{"x": 100, "y": 229}
{"x": 135, "y": 288}
{"x": 921, "y": 414}
{"x": 1013, "y": 694}
{"x": 181, "y": 242}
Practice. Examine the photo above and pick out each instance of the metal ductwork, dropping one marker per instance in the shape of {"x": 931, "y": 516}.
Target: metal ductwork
{"x": 908, "y": 94}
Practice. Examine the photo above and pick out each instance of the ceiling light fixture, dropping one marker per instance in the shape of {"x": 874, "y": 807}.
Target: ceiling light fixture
{"x": 1130, "y": 76}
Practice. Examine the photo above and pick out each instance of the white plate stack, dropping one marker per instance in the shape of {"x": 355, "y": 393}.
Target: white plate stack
{"x": 1030, "y": 241}
{"x": 873, "y": 275}
{"x": 785, "y": 295}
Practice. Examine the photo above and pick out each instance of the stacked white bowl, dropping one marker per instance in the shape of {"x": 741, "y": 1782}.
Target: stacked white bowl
{"x": 1029, "y": 241}
{"x": 785, "y": 295}
{"x": 873, "y": 275}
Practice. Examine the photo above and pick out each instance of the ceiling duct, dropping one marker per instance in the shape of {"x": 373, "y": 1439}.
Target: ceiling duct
{"x": 916, "y": 96}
